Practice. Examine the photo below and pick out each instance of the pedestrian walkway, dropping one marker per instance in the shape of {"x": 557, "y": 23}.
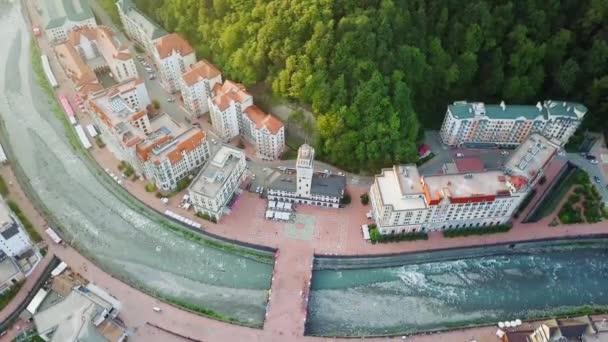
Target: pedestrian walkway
{"x": 287, "y": 307}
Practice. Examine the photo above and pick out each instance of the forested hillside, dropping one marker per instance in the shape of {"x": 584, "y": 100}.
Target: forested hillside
{"x": 377, "y": 71}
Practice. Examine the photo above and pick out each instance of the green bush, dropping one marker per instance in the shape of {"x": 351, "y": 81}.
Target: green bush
{"x": 150, "y": 187}
{"x": 7, "y": 296}
{"x": 183, "y": 184}
{"x": 206, "y": 217}
{"x": 156, "y": 104}
{"x": 425, "y": 159}
{"x": 345, "y": 199}
{"x": 501, "y": 228}
{"x": 365, "y": 199}
{"x": 99, "y": 142}
{"x": 3, "y": 187}
{"x": 376, "y": 237}
{"x": 29, "y": 227}
{"x": 159, "y": 195}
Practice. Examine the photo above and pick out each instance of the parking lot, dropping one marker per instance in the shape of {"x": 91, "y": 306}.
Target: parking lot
{"x": 492, "y": 158}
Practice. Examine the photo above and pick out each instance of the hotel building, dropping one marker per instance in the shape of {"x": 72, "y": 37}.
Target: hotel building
{"x": 59, "y": 17}
{"x": 405, "y": 201}
{"x": 196, "y": 86}
{"x": 139, "y": 27}
{"x": 478, "y": 124}
{"x": 307, "y": 186}
{"x": 265, "y": 131}
{"x": 217, "y": 182}
{"x": 172, "y": 55}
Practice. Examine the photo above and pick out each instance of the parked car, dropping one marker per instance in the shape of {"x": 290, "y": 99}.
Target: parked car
{"x": 590, "y": 157}
{"x": 459, "y": 155}
{"x": 504, "y": 153}
{"x": 593, "y": 161}
{"x": 213, "y": 142}
{"x": 152, "y": 77}
{"x": 148, "y": 69}
{"x": 561, "y": 153}
{"x": 597, "y": 179}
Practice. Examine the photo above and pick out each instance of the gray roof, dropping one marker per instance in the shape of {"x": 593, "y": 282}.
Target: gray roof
{"x": 466, "y": 110}
{"x": 8, "y": 268}
{"x": 10, "y": 231}
{"x": 129, "y": 8}
{"x": 332, "y": 185}
{"x": 56, "y": 12}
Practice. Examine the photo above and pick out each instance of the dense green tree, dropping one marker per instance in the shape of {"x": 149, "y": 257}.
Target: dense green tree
{"x": 375, "y": 72}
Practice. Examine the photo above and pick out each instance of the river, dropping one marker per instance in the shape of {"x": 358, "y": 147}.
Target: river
{"x": 434, "y": 295}
{"x": 123, "y": 241}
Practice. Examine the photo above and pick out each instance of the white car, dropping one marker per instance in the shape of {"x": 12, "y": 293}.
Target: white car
{"x": 170, "y": 99}
{"x": 561, "y": 153}
{"x": 213, "y": 142}
{"x": 148, "y": 69}
{"x": 459, "y": 155}
{"x": 504, "y": 153}
{"x": 594, "y": 161}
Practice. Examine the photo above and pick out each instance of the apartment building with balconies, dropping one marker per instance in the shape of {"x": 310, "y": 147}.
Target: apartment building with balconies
{"x": 172, "y": 56}
{"x": 138, "y": 26}
{"x": 197, "y": 86}
{"x": 480, "y": 125}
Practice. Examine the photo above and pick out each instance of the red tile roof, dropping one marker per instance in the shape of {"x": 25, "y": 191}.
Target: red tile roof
{"x": 173, "y": 42}
{"x": 263, "y": 120}
{"x": 199, "y": 71}
{"x": 229, "y": 91}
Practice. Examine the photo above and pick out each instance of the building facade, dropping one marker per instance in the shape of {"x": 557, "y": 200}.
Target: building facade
{"x": 478, "y": 124}
{"x": 306, "y": 186}
{"x": 218, "y": 182}
{"x": 138, "y": 26}
{"x": 196, "y": 86}
{"x": 405, "y": 201}
{"x": 265, "y": 132}
{"x": 100, "y": 48}
{"x": 173, "y": 55}
{"x": 61, "y": 17}
{"x": 167, "y": 160}
{"x": 119, "y": 113}
{"x": 226, "y": 108}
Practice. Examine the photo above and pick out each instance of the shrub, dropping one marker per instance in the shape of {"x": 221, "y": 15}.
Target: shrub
{"x": 183, "y": 184}
{"x": 7, "y": 296}
{"x": 159, "y": 195}
{"x": 501, "y": 228}
{"x": 29, "y": 227}
{"x": 365, "y": 199}
{"x": 376, "y": 237}
{"x": 3, "y": 187}
{"x": 99, "y": 142}
{"x": 156, "y": 104}
{"x": 150, "y": 187}
{"x": 345, "y": 199}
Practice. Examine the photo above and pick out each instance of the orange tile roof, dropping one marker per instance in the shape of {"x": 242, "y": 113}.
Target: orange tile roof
{"x": 187, "y": 145}
{"x": 173, "y": 42}
{"x": 76, "y": 68}
{"x": 143, "y": 151}
{"x": 229, "y": 91}
{"x": 200, "y": 70}
{"x": 263, "y": 120}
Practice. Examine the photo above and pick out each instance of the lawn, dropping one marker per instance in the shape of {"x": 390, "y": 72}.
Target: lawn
{"x": 7, "y": 296}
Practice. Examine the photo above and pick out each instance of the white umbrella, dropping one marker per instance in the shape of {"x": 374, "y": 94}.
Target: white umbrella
{"x": 501, "y": 325}
{"x": 513, "y": 324}
{"x": 518, "y": 321}
{"x": 500, "y": 333}
{"x": 507, "y": 324}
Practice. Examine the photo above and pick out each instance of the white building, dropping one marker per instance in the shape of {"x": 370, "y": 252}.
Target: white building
{"x": 139, "y": 27}
{"x": 10, "y": 274}
{"x": 265, "y": 131}
{"x": 172, "y": 55}
{"x": 170, "y": 154}
{"x": 404, "y": 201}
{"x": 61, "y": 16}
{"x": 13, "y": 239}
{"x": 478, "y": 124}
{"x": 226, "y": 108}
{"x": 218, "y": 182}
{"x": 197, "y": 85}
{"x": 119, "y": 113}
{"x": 307, "y": 186}
{"x": 101, "y": 49}
{"x": 84, "y": 315}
